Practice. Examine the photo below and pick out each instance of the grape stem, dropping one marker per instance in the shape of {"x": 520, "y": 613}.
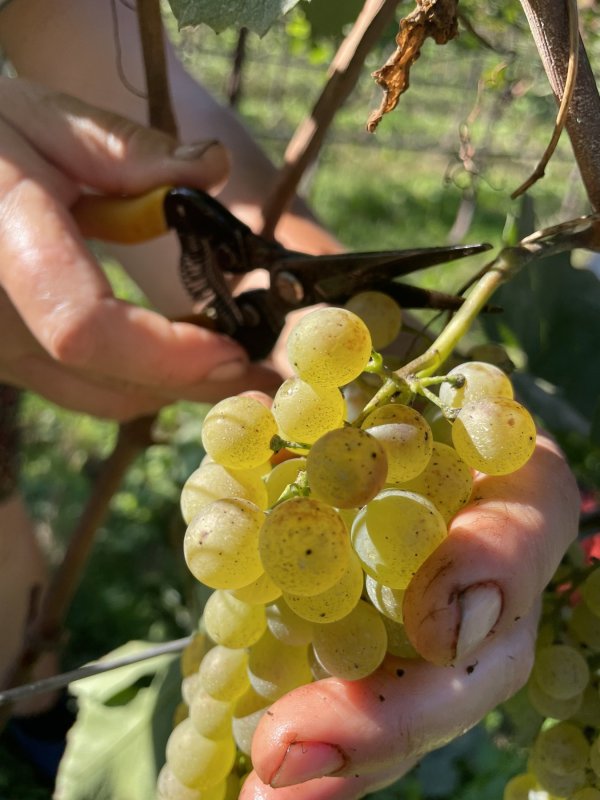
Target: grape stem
{"x": 393, "y": 385}
{"x": 277, "y": 443}
{"x": 405, "y": 380}
{"x": 506, "y": 264}
{"x": 299, "y": 488}
{"x": 403, "y": 383}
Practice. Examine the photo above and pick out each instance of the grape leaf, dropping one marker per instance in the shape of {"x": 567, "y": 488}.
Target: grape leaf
{"x": 256, "y": 15}
{"x": 553, "y": 311}
{"x": 328, "y": 19}
{"x": 116, "y": 746}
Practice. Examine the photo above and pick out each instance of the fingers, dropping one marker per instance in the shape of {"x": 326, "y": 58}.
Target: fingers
{"x": 501, "y": 551}
{"x": 102, "y": 150}
{"x": 377, "y": 727}
{"x": 24, "y": 363}
{"x": 79, "y": 393}
{"x": 51, "y": 146}
{"x": 66, "y": 302}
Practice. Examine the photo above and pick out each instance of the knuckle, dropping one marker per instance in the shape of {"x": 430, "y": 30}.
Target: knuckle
{"x": 72, "y": 339}
{"x": 135, "y": 148}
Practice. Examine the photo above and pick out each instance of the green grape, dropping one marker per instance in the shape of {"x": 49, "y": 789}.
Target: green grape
{"x": 223, "y": 673}
{"x": 584, "y": 625}
{"x": 494, "y": 436}
{"x": 346, "y": 468}
{"x": 348, "y": 515}
{"x": 261, "y": 591}
{"x": 587, "y": 793}
{"x": 358, "y": 393}
{"x": 492, "y": 353}
{"x": 304, "y": 412}
{"x": 281, "y": 476}
{"x": 595, "y": 755}
{"x": 589, "y": 711}
{"x": 590, "y": 589}
{"x": 233, "y": 785}
{"x": 561, "y": 749}
{"x": 441, "y": 428}
{"x": 287, "y": 626}
{"x": 335, "y": 602}
{"x": 304, "y": 546}
{"x": 210, "y": 717}
{"x": 552, "y": 707}
{"x": 196, "y": 761}
{"x": 558, "y": 786}
{"x": 193, "y": 653}
{"x": 168, "y": 787}
{"x": 275, "y": 668}
{"x": 386, "y": 600}
{"x": 181, "y": 712}
{"x": 352, "y": 647}
{"x": 318, "y": 671}
{"x": 237, "y": 433}
{"x": 189, "y": 686}
{"x": 446, "y": 480}
{"x": 221, "y": 544}
{"x": 519, "y": 787}
{"x": 406, "y": 438}
{"x": 261, "y": 471}
{"x": 329, "y": 347}
{"x": 398, "y": 643}
{"x": 212, "y": 482}
{"x": 231, "y": 622}
{"x": 560, "y": 671}
{"x": 482, "y": 380}
{"x": 394, "y": 534}
{"x": 380, "y": 313}
{"x": 247, "y": 713}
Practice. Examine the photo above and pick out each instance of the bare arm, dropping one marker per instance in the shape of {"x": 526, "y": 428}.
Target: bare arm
{"x": 32, "y": 32}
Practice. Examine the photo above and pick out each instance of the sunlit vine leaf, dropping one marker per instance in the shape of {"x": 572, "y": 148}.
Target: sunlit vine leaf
{"x": 116, "y": 745}
{"x": 256, "y": 15}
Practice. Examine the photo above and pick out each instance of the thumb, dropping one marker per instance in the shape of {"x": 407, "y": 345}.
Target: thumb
{"x": 104, "y": 151}
{"x": 501, "y": 551}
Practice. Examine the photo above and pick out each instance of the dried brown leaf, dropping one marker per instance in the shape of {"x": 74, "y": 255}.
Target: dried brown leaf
{"x": 435, "y": 19}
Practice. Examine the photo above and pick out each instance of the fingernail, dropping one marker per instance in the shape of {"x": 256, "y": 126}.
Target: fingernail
{"x": 228, "y": 371}
{"x": 480, "y": 607}
{"x": 304, "y": 761}
{"x": 194, "y": 150}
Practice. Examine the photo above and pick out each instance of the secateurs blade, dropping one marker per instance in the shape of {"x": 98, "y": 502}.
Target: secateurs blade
{"x": 216, "y": 246}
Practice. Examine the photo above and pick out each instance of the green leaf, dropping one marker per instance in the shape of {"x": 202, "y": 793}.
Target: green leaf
{"x": 116, "y": 746}
{"x": 328, "y": 19}
{"x": 553, "y": 311}
{"x": 256, "y": 15}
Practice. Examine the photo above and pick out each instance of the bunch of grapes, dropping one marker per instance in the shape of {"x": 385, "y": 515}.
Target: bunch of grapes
{"x": 564, "y": 690}
{"x": 308, "y": 521}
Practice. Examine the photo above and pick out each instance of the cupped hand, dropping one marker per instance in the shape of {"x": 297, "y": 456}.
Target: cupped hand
{"x": 471, "y": 611}
{"x": 62, "y": 331}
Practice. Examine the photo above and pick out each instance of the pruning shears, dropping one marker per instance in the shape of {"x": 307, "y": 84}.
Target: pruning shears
{"x": 216, "y": 245}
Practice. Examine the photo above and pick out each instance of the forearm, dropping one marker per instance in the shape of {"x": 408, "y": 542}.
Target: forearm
{"x": 82, "y": 33}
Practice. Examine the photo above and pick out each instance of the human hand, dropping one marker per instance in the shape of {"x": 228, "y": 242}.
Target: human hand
{"x": 63, "y": 332}
{"x": 471, "y": 611}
